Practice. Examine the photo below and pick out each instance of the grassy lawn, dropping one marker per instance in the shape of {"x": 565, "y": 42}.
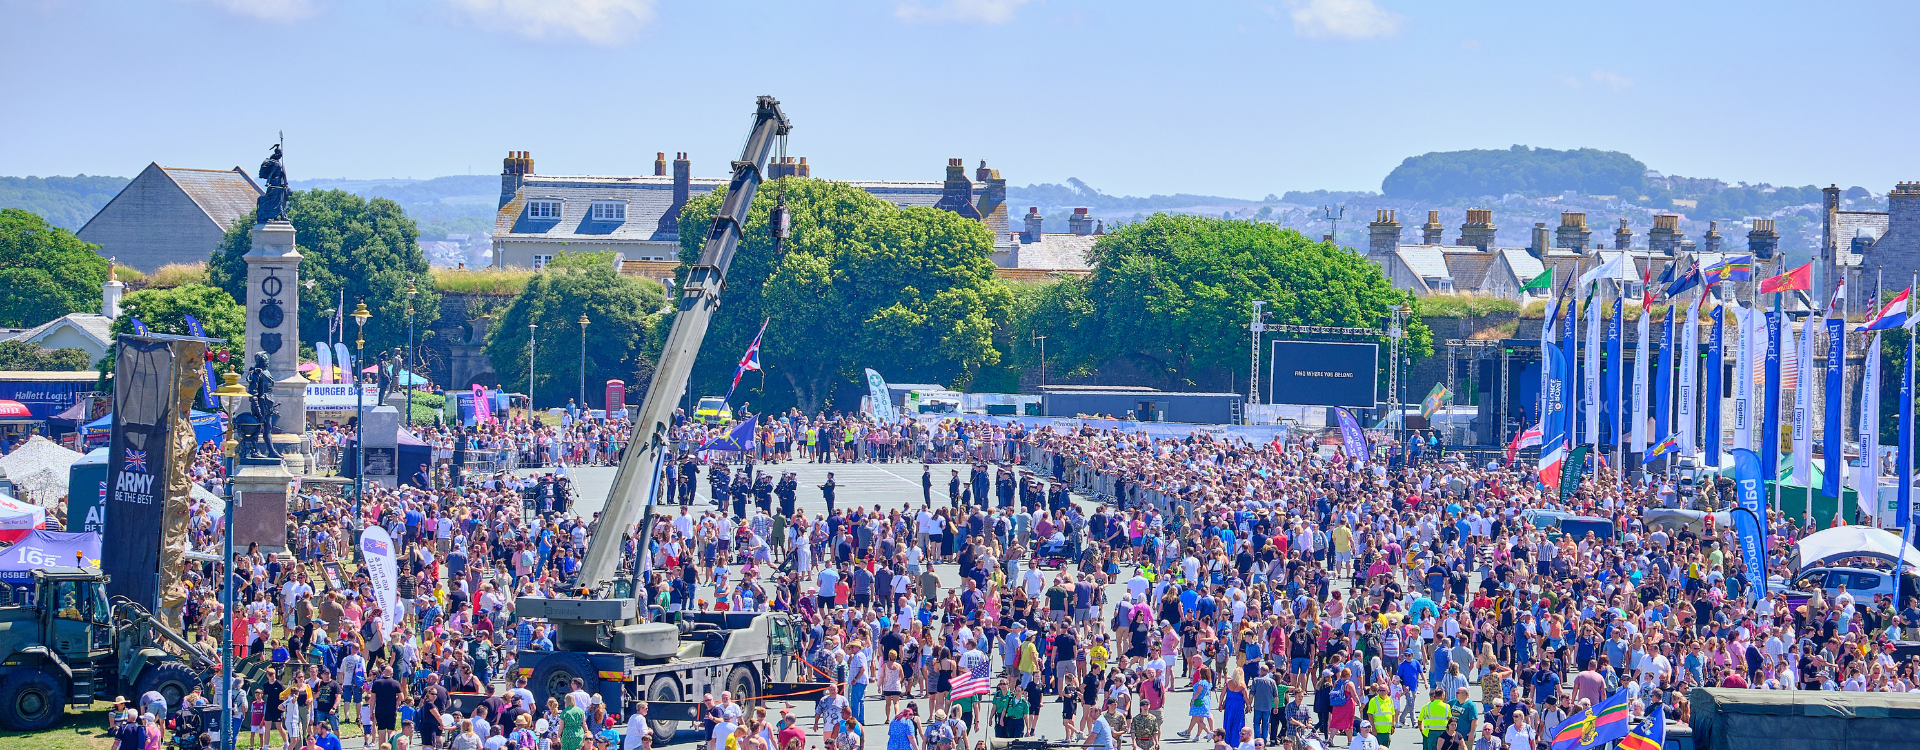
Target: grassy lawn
{"x": 82, "y": 730}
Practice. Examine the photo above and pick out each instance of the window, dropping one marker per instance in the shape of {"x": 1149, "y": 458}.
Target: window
{"x": 543, "y": 209}
{"x": 541, "y": 261}
{"x": 609, "y": 211}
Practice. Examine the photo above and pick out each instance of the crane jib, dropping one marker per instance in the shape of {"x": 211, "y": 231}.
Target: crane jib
{"x": 637, "y": 476}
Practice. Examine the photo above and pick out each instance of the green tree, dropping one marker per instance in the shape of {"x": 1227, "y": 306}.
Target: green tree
{"x": 859, "y": 283}
{"x": 1171, "y": 296}
{"x": 1465, "y": 175}
{"x": 45, "y": 271}
{"x": 20, "y": 355}
{"x": 362, "y": 250}
{"x": 166, "y": 311}
{"x": 624, "y": 325}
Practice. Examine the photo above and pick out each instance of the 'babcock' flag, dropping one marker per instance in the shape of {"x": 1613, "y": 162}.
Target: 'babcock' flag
{"x": 1649, "y": 735}
{"x": 1593, "y": 727}
{"x": 740, "y": 438}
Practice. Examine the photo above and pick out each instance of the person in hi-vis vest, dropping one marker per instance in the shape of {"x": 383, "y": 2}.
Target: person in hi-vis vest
{"x": 1380, "y": 711}
{"x": 1433, "y": 720}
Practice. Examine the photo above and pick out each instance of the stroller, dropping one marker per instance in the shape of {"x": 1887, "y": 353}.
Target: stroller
{"x": 1054, "y": 553}
{"x": 186, "y": 725}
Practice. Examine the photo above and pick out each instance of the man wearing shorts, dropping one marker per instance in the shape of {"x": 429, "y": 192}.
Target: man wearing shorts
{"x": 386, "y": 693}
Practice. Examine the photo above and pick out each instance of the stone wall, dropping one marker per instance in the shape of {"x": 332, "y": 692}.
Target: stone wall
{"x": 454, "y": 356}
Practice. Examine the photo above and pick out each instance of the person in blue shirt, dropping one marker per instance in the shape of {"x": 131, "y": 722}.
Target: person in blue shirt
{"x": 324, "y": 737}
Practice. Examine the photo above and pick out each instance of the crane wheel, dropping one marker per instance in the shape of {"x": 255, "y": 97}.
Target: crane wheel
{"x": 744, "y": 686}
{"x": 664, "y": 689}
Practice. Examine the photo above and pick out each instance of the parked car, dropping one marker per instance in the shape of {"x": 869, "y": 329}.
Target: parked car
{"x": 1863, "y": 583}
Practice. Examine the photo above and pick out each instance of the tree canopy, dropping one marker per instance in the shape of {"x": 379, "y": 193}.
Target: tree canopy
{"x": 366, "y": 249}
{"x": 1450, "y": 176}
{"x": 45, "y": 271}
{"x": 624, "y": 328}
{"x": 22, "y": 356}
{"x": 859, "y": 283}
{"x": 1172, "y": 296}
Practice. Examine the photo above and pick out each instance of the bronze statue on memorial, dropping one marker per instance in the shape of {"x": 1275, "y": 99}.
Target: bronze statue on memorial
{"x": 256, "y": 433}
{"x": 272, "y": 204}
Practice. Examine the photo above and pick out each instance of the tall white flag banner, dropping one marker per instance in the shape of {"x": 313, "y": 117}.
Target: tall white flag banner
{"x": 882, "y": 403}
{"x": 323, "y": 356}
{"x": 383, "y": 569}
{"x": 1742, "y": 378}
{"x": 1689, "y": 361}
{"x": 1867, "y": 480}
{"x": 1640, "y": 363}
{"x": 345, "y": 362}
{"x": 1803, "y": 407}
{"x": 1590, "y": 384}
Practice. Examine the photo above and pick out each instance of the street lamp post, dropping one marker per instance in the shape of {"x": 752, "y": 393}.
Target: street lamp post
{"x": 360, "y": 315}
{"x": 531, "y": 329}
{"x": 583, "y": 361}
{"x": 411, "y": 366}
{"x": 230, "y": 394}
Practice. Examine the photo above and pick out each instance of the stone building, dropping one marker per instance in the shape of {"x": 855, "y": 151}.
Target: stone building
{"x": 171, "y": 215}
{"x": 1868, "y": 245}
{"x": 1475, "y": 262}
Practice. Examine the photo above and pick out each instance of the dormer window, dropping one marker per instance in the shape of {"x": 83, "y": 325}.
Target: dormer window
{"x": 543, "y": 209}
{"x": 609, "y": 210}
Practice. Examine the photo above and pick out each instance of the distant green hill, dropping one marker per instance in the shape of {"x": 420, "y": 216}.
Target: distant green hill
{"x": 1453, "y": 176}
{"x": 65, "y": 202}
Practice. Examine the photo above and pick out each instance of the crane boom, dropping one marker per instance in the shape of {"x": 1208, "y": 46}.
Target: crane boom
{"x": 638, "y": 474}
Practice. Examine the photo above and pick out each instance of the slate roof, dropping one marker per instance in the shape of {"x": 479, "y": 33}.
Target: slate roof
{"x": 225, "y": 194}
{"x": 95, "y": 325}
{"x": 648, "y": 199}
{"x": 1062, "y": 251}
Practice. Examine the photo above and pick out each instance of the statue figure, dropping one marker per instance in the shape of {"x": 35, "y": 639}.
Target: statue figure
{"x": 383, "y": 374}
{"x": 273, "y": 204}
{"x": 260, "y": 391}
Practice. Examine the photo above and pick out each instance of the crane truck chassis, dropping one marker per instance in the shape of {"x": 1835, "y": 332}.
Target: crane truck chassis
{"x": 598, "y": 638}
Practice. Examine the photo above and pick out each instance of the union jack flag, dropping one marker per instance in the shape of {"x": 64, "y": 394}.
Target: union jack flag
{"x": 136, "y": 461}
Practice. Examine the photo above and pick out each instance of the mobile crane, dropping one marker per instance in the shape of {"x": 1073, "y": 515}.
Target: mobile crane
{"x": 599, "y": 638}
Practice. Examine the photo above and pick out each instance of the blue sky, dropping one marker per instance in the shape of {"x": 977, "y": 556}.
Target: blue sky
{"x": 1207, "y": 96}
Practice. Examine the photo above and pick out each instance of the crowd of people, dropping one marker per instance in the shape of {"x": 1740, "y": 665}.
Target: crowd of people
{"x": 1270, "y": 591}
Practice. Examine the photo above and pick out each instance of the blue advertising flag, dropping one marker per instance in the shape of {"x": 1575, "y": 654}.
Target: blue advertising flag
{"x": 1355, "y": 438}
{"x": 1770, "y": 423}
{"x": 1569, "y": 328}
{"x": 1836, "y": 357}
{"x": 1553, "y": 424}
{"x": 740, "y": 438}
{"x": 1663, "y": 385}
{"x": 1749, "y": 519}
{"x": 1715, "y": 361}
{"x": 1904, "y": 510}
{"x": 1613, "y": 410}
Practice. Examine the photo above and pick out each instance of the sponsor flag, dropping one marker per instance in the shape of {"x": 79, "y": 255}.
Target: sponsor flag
{"x": 1650, "y": 735}
{"x": 1868, "y": 480}
{"x": 1770, "y": 409}
{"x": 1355, "y": 438}
{"x": 1836, "y": 461}
{"x": 1689, "y": 362}
{"x": 1593, "y": 727}
{"x": 1715, "y": 360}
{"x": 1891, "y": 315}
{"x": 1748, "y": 518}
{"x": 1663, "y": 387}
{"x": 377, "y": 549}
{"x": 740, "y": 438}
{"x": 1662, "y": 448}
{"x": 1643, "y": 358}
{"x": 1553, "y": 421}
{"x": 1799, "y": 279}
{"x": 1590, "y": 380}
{"x": 1436, "y": 398}
{"x": 1570, "y": 473}
{"x": 139, "y": 328}
{"x": 1541, "y": 283}
{"x": 882, "y": 402}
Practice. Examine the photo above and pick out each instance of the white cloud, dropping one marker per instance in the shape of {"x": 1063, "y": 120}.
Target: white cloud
{"x": 1343, "y": 19}
{"x": 967, "y": 11}
{"x": 1611, "y": 79}
{"x": 282, "y": 11}
{"x": 596, "y": 21}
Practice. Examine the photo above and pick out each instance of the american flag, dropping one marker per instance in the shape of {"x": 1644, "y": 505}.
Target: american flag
{"x": 136, "y": 461}
{"x": 965, "y": 685}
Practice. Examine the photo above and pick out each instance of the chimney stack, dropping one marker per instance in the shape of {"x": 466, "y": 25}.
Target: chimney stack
{"x": 957, "y": 194}
{"x": 1665, "y": 235}
{"x": 1478, "y": 231}
{"x": 1080, "y": 222}
{"x": 992, "y": 204}
{"x": 803, "y": 169}
{"x": 1538, "y": 248}
{"x": 1036, "y": 225}
{"x": 659, "y": 163}
{"x": 1622, "y": 237}
{"x": 1430, "y": 231}
{"x": 1573, "y": 233}
{"x": 1712, "y": 237}
{"x": 1762, "y": 241}
{"x": 1383, "y": 234}
{"x": 513, "y": 171}
{"x": 682, "y": 189}
{"x": 110, "y": 292}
